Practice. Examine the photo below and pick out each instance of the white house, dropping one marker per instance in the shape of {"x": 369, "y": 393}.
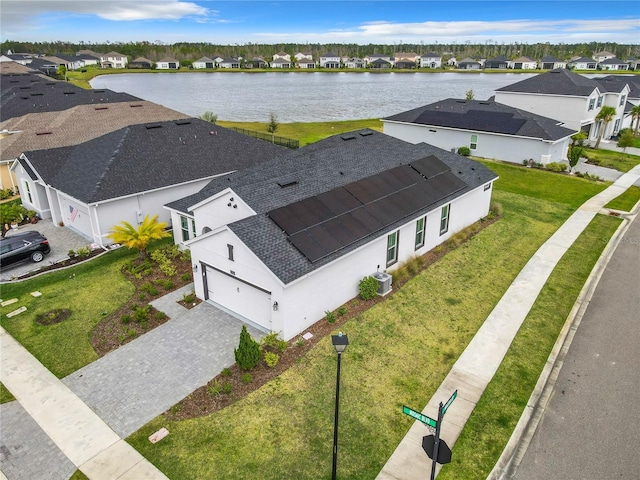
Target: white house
{"x": 131, "y": 172}
{"x": 355, "y": 62}
{"x": 167, "y": 63}
{"x": 305, "y": 63}
{"x": 469, "y": 64}
{"x": 603, "y": 55}
{"x": 523, "y": 63}
{"x": 549, "y": 62}
{"x": 303, "y": 56}
{"x": 487, "y": 128}
{"x": 369, "y": 59}
{"x": 282, "y": 56}
{"x": 279, "y": 244}
{"x": 230, "y": 63}
{"x": 204, "y": 62}
{"x": 113, "y": 60}
{"x": 583, "y": 63}
{"x": 281, "y": 63}
{"x": 330, "y": 60}
{"x": 570, "y": 98}
{"x": 431, "y": 60}
{"x": 613, "y": 64}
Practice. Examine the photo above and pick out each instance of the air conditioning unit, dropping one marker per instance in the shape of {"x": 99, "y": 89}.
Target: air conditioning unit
{"x": 384, "y": 283}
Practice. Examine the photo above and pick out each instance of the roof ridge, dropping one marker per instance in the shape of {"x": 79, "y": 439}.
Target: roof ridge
{"x": 112, "y": 158}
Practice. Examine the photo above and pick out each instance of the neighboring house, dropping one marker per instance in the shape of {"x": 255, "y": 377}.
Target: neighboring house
{"x": 355, "y": 63}
{"x": 140, "y": 62}
{"x": 602, "y": 56}
{"x": 330, "y": 60}
{"x": 411, "y": 56}
{"x": 489, "y": 129}
{"x": 613, "y": 64}
{"x": 499, "y": 63}
{"x": 431, "y": 60}
{"x": 376, "y": 56}
{"x": 230, "y": 63}
{"x": 303, "y": 56}
{"x": 88, "y": 59}
{"x": 204, "y": 62}
{"x": 257, "y": 62}
{"x": 379, "y": 63}
{"x": 281, "y": 243}
{"x": 13, "y": 68}
{"x": 69, "y": 62}
{"x": 281, "y": 63}
{"x": 305, "y": 63}
{"x": 405, "y": 64}
{"x": 113, "y": 60}
{"x": 452, "y": 62}
{"x": 583, "y": 63}
{"x": 572, "y": 99}
{"x": 550, "y": 62}
{"x": 469, "y": 64}
{"x": 167, "y": 63}
{"x": 523, "y": 63}
{"x": 633, "y": 63}
{"x": 21, "y": 58}
{"x": 282, "y": 56}
{"x": 131, "y": 172}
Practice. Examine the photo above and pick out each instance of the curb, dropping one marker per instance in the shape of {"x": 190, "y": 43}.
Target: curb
{"x": 516, "y": 447}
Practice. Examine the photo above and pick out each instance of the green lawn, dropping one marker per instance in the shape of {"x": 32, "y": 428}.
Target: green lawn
{"x": 622, "y": 162}
{"x": 626, "y": 201}
{"x": 5, "y": 395}
{"x": 90, "y": 290}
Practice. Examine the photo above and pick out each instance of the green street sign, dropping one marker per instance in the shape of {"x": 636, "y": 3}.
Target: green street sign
{"x": 420, "y": 417}
{"x": 449, "y": 402}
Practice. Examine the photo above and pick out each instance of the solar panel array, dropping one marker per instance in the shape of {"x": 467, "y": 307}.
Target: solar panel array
{"x": 498, "y": 122}
{"x": 323, "y": 224}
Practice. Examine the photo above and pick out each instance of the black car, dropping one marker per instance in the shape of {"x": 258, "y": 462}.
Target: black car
{"x": 21, "y": 246}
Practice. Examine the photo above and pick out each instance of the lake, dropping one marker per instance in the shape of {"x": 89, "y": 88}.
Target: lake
{"x": 302, "y": 96}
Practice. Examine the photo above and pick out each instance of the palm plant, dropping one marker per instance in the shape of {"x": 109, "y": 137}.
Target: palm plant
{"x": 139, "y": 237}
{"x": 605, "y": 115}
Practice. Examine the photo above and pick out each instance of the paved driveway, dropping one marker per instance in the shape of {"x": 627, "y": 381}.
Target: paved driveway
{"x": 61, "y": 239}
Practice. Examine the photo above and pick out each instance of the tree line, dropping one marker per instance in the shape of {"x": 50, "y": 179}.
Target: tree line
{"x": 195, "y": 50}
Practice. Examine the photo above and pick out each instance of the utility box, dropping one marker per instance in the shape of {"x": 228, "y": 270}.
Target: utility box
{"x": 384, "y": 283}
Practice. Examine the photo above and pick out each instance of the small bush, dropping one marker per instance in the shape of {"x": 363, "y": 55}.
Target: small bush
{"x": 160, "y": 315}
{"x": 125, "y": 319}
{"x": 495, "y": 210}
{"x": 300, "y": 342}
{"x": 368, "y": 288}
{"x": 331, "y": 317}
{"x": 131, "y": 332}
{"x": 215, "y": 388}
{"x": 226, "y": 372}
{"x": 83, "y": 251}
{"x": 464, "y": 151}
{"x": 274, "y": 342}
{"x": 227, "y": 388}
{"x": 271, "y": 359}
{"x": 141, "y": 314}
{"x": 185, "y": 277}
{"x": 556, "y": 167}
{"x": 248, "y": 352}
{"x": 342, "y": 311}
{"x": 247, "y": 378}
{"x": 189, "y": 297}
{"x": 71, "y": 252}
{"x": 142, "y": 296}
{"x": 150, "y": 289}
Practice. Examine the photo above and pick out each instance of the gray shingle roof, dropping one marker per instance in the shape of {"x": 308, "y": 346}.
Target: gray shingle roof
{"x": 319, "y": 168}
{"x": 484, "y": 116}
{"x": 615, "y": 83}
{"x": 554, "y": 82}
{"x": 144, "y": 157}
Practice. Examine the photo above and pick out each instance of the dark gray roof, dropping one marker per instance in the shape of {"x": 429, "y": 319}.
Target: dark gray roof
{"x": 549, "y": 59}
{"x": 583, "y": 60}
{"x": 31, "y": 93}
{"x": 615, "y": 83}
{"x": 484, "y": 116}
{"x": 554, "y": 82}
{"x": 613, "y": 61}
{"x": 319, "y": 168}
{"x": 144, "y": 157}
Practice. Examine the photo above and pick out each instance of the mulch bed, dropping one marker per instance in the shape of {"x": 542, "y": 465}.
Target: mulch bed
{"x": 54, "y": 316}
{"x": 202, "y": 402}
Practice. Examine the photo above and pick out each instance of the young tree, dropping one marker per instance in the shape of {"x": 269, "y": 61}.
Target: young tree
{"x": 139, "y": 237}
{"x": 273, "y": 125}
{"x": 625, "y": 140}
{"x": 469, "y": 95}
{"x": 605, "y": 115}
{"x": 635, "y": 115}
{"x": 248, "y": 352}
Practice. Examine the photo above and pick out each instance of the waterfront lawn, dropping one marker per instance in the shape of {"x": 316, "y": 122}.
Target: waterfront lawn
{"x": 626, "y": 201}
{"x": 308, "y": 132}
{"x": 494, "y": 418}
{"x": 399, "y": 353}
{"x": 623, "y": 162}
{"x": 90, "y": 290}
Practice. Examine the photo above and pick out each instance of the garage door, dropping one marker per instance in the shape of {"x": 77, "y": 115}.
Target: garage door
{"x": 242, "y": 298}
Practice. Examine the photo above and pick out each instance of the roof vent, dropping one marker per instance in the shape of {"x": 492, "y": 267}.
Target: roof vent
{"x": 98, "y": 91}
{"x": 484, "y": 103}
{"x": 37, "y": 94}
{"x": 43, "y": 133}
{"x": 101, "y": 108}
{"x": 182, "y": 122}
{"x": 366, "y": 133}
{"x": 136, "y": 105}
{"x": 461, "y": 101}
{"x": 287, "y": 182}
{"x": 69, "y": 93}
{"x": 348, "y": 137}
{"x": 150, "y": 126}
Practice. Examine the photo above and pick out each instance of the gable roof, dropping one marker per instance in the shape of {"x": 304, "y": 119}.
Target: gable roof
{"x": 616, "y": 83}
{"x": 523, "y": 60}
{"x": 559, "y": 81}
{"x": 204, "y": 60}
{"x": 318, "y": 169}
{"x": 30, "y": 93}
{"x": 549, "y": 59}
{"x": 168, "y": 60}
{"x": 613, "y": 61}
{"x": 484, "y": 116}
{"x": 141, "y": 158}
{"x": 141, "y": 60}
{"x": 582, "y": 60}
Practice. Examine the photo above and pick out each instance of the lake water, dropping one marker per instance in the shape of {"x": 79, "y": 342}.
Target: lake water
{"x": 302, "y": 96}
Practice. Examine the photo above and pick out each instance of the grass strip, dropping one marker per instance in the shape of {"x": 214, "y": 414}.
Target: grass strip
{"x": 400, "y": 352}
{"x": 492, "y": 422}
{"x": 623, "y": 162}
{"x": 626, "y": 201}
{"x": 5, "y": 394}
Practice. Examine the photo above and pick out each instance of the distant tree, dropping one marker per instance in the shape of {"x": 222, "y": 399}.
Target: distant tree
{"x": 139, "y": 237}
{"x": 273, "y": 125}
{"x": 625, "y": 140}
{"x": 635, "y": 115}
{"x": 208, "y": 116}
{"x": 469, "y": 95}
{"x": 605, "y": 115}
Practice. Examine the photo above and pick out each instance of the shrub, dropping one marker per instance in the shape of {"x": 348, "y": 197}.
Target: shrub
{"x": 185, "y": 277}
{"x": 331, "y": 317}
{"x": 160, "y": 315}
{"x": 227, "y": 388}
{"x": 368, "y": 288}
{"x": 226, "y": 372}
{"x": 71, "y": 252}
{"x": 150, "y": 289}
{"x": 274, "y": 342}
{"x": 556, "y": 167}
{"x": 125, "y": 319}
{"x": 83, "y": 251}
{"x": 141, "y": 314}
{"x": 342, "y": 310}
{"x": 464, "y": 151}
{"x": 189, "y": 297}
{"x": 300, "y": 342}
{"x": 248, "y": 352}
{"x": 214, "y": 389}
{"x": 271, "y": 359}
{"x": 247, "y": 378}
{"x": 495, "y": 210}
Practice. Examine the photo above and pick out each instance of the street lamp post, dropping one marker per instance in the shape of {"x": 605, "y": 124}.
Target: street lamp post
{"x": 340, "y": 343}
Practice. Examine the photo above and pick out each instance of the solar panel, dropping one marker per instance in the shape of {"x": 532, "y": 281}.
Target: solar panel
{"x": 429, "y": 166}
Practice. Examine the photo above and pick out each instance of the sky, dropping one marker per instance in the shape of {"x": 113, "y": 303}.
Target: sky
{"x": 339, "y": 21}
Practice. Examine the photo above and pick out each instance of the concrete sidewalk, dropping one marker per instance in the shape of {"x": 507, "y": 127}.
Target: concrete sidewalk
{"x": 477, "y": 365}
{"x": 78, "y": 432}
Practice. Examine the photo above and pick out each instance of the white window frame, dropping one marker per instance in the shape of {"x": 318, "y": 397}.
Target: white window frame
{"x": 421, "y": 231}
{"x": 600, "y": 98}
{"x": 445, "y": 214}
{"x": 393, "y": 239}
{"x": 592, "y": 102}
{"x": 27, "y": 189}
{"x": 184, "y": 227}
{"x": 473, "y": 145}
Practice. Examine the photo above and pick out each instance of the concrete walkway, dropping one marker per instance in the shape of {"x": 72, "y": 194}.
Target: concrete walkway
{"x": 477, "y": 365}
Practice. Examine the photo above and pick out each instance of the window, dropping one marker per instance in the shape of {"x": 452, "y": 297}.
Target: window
{"x": 474, "y": 142}
{"x": 28, "y": 192}
{"x": 599, "y": 101}
{"x": 487, "y": 187}
{"x": 592, "y": 102}
{"x": 444, "y": 219}
{"x": 421, "y": 225}
{"x": 616, "y": 126}
{"x": 392, "y": 248}
{"x": 622, "y": 100}
{"x": 230, "y": 249}
{"x": 184, "y": 227}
